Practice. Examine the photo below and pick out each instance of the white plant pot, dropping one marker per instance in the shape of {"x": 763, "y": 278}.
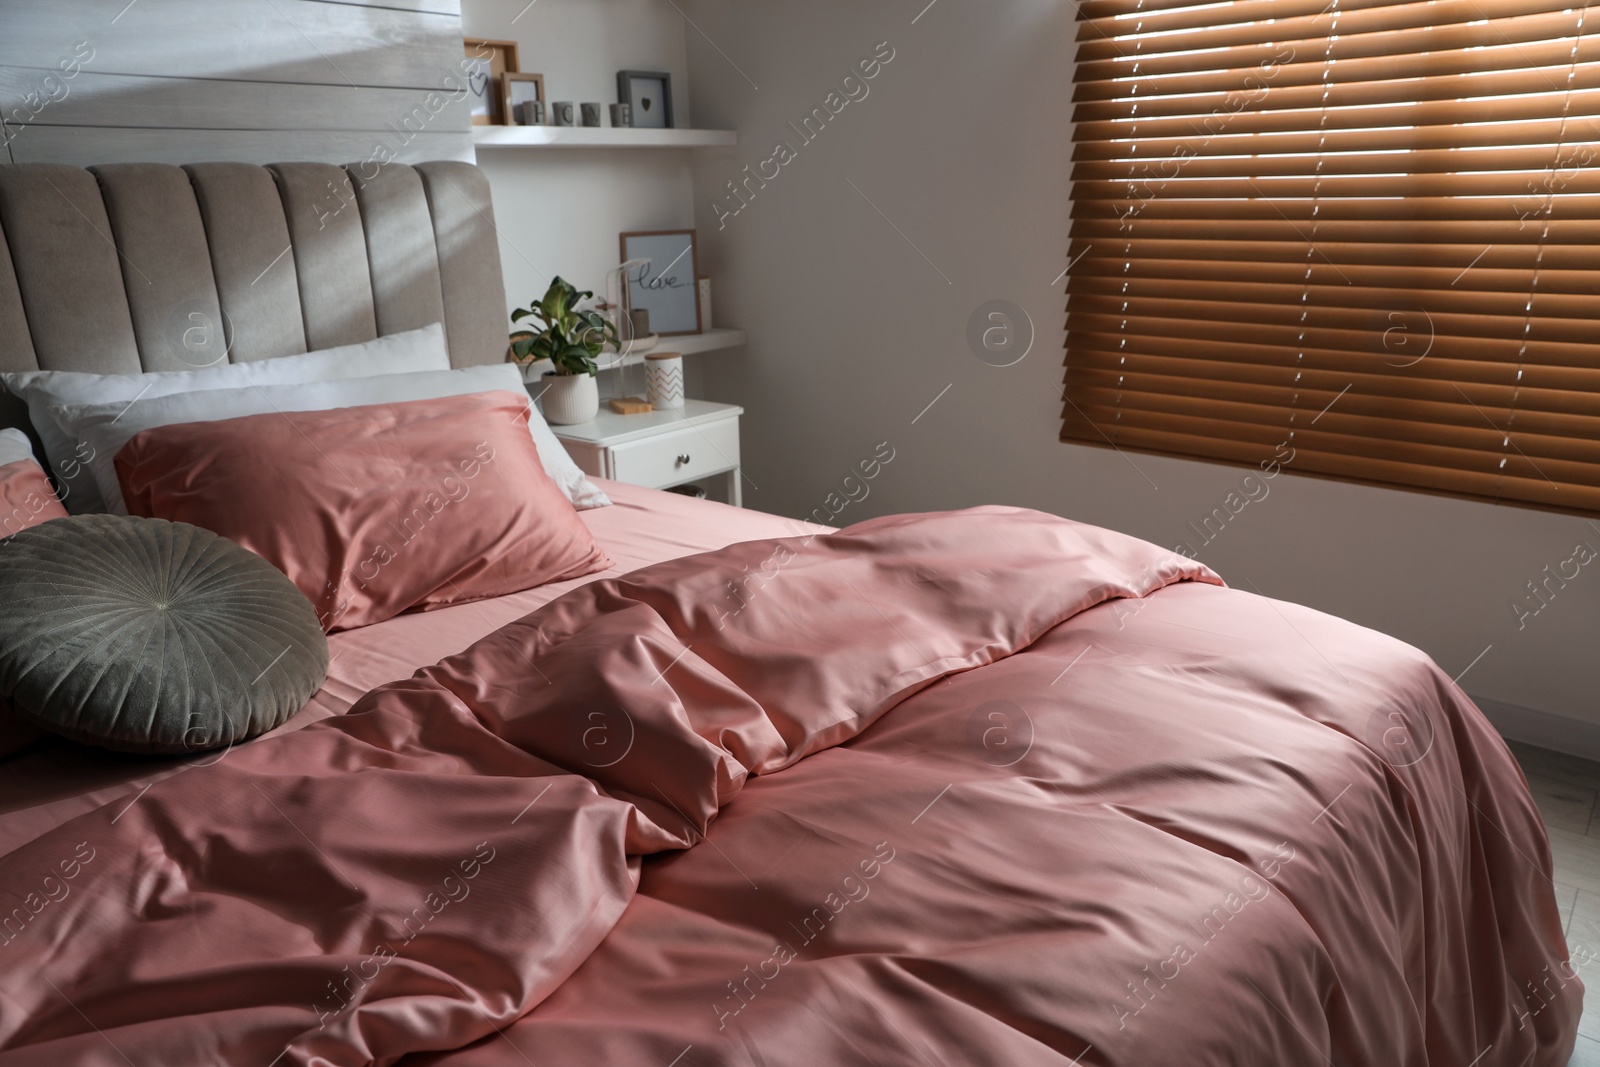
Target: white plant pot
{"x": 569, "y": 399}
{"x": 663, "y": 380}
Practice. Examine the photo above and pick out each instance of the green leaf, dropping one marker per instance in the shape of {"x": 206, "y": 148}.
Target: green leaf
{"x": 554, "y": 300}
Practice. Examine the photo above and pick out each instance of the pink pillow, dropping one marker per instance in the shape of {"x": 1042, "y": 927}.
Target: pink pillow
{"x": 26, "y": 497}
{"x": 376, "y": 510}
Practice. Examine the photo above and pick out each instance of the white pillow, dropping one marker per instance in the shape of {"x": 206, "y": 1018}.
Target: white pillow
{"x": 69, "y": 454}
{"x": 107, "y": 427}
{"x": 14, "y": 446}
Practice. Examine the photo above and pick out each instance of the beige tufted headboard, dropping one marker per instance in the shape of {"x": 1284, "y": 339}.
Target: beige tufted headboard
{"x": 131, "y": 267}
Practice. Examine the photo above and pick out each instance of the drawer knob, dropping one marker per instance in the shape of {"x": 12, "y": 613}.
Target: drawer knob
{"x": 683, "y": 457}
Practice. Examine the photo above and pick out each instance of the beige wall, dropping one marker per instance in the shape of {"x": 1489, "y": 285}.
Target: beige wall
{"x": 963, "y": 143}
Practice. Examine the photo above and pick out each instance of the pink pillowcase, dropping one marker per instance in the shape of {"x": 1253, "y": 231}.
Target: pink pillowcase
{"x": 26, "y": 497}
{"x": 372, "y": 511}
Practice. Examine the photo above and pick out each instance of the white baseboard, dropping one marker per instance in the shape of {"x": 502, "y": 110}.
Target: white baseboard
{"x": 1555, "y": 732}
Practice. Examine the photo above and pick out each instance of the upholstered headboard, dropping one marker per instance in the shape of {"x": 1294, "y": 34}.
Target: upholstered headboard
{"x": 130, "y": 267}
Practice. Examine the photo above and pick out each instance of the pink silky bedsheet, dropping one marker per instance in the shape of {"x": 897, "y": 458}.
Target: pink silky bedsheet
{"x": 57, "y": 780}
{"x": 1186, "y": 825}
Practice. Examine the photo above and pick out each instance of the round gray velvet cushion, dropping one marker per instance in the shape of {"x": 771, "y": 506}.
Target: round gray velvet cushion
{"x": 151, "y": 636}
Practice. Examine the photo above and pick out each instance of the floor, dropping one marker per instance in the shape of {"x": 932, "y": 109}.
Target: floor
{"x": 1566, "y": 789}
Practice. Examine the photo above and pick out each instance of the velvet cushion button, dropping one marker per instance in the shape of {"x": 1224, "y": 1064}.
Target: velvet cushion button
{"x": 151, "y": 636}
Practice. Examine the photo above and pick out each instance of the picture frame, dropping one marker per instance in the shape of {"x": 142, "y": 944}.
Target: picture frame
{"x": 649, "y": 94}
{"x": 666, "y": 286}
{"x": 518, "y": 88}
{"x": 486, "y": 64}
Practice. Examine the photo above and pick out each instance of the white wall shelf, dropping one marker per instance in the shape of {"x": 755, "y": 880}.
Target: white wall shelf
{"x": 688, "y": 345}
{"x": 598, "y": 137}
{"x": 712, "y": 340}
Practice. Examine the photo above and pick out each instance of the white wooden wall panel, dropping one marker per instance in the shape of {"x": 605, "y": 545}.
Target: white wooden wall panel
{"x": 85, "y": 146}
{"x": 241, "y": 40}
{"x": 334, "y": 81}
{"x": 96, "y": 99}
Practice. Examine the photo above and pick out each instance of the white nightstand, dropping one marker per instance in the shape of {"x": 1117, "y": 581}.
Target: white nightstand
{"x": 660, "y": 449}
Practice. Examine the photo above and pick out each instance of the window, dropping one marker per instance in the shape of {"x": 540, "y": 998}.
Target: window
{"x": 1369, "y": 230}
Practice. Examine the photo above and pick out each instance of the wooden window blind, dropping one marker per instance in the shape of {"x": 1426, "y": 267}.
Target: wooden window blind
{"x": 1368, "y": 229}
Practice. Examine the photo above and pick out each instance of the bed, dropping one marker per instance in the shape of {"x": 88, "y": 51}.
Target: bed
{"x": 977, "y": 787}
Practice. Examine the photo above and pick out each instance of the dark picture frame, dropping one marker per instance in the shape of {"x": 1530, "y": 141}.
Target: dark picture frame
{"x": 649, "y": 94}
{"x": 668, "y": 287}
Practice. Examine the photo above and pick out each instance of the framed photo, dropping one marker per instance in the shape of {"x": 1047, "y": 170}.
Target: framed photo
{"x": 517, "y": 89}
{"x": 649, "y": 93}
{"x": 665, "y": 286}
{"x": 485, "y": 67}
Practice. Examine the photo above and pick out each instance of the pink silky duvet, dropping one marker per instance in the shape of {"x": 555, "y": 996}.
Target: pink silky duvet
{"x": 987, "y": 787}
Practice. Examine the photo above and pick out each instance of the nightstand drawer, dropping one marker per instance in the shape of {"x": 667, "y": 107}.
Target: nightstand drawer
{"x": 678, "y": 456}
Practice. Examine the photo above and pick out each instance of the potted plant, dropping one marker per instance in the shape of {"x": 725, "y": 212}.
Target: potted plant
{"x": 570, "y": 339}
